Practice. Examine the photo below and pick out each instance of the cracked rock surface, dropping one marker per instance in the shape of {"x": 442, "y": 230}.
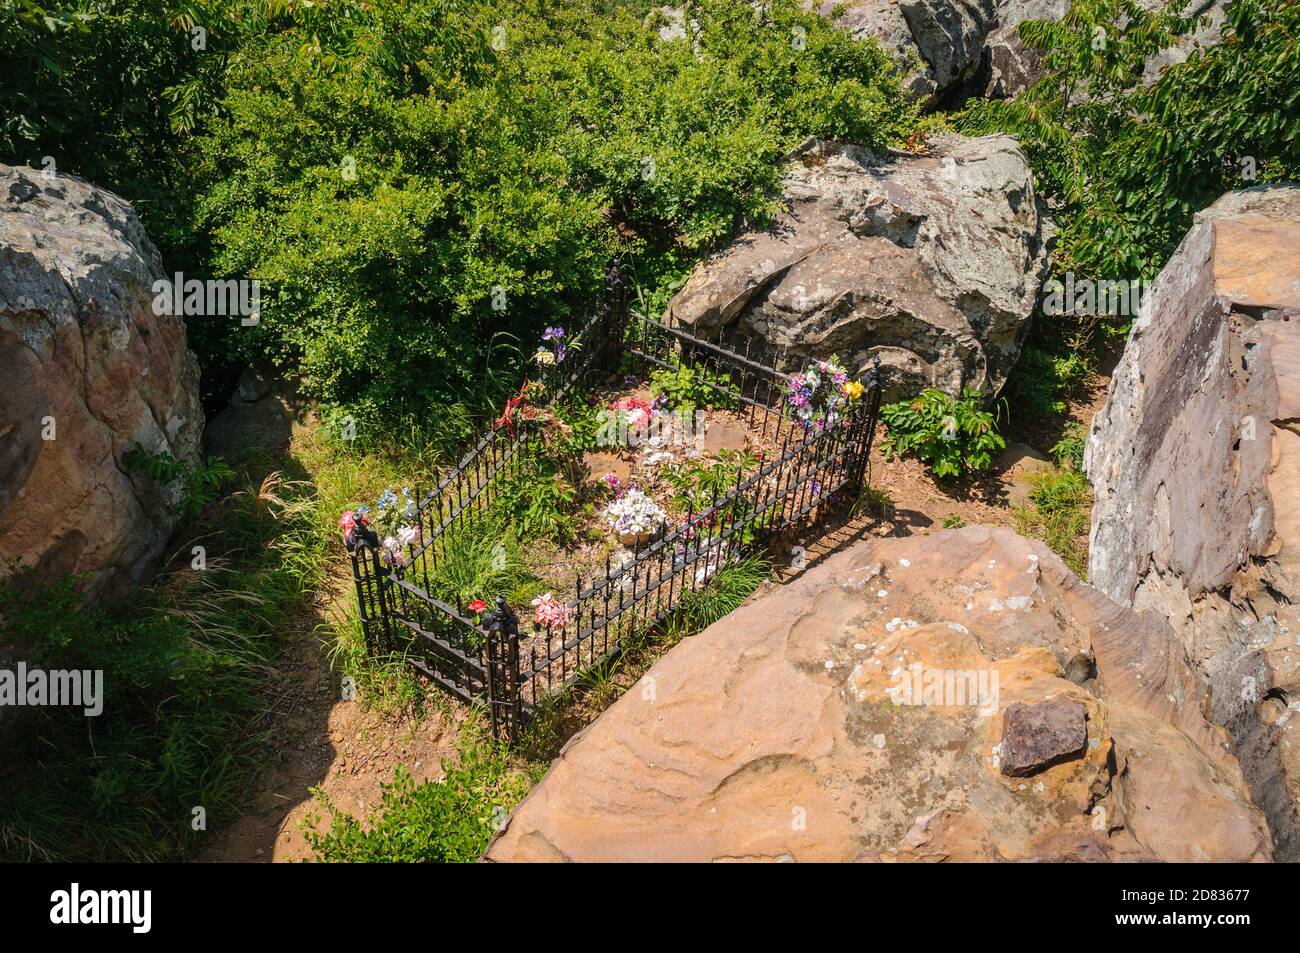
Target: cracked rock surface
{"x": 931, "y": 262}
{"x": 857, "y": 714}
{"x": 1195, "y": 467}
{"x": 89, "y": 370}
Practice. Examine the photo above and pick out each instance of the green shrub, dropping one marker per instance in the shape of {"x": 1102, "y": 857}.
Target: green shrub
{"x": 404, "y": 190}
{"x": 540, "y": 502}
{"x": 199, "y": 483}
{"x": 1068, "y": 451}
{"x": 952, "y": 437}
{"x": 687, "y": 388}
{"x": 1127, "y": 165}
{"x": 446, "y": 821}
{"x": 1044, "y": 380}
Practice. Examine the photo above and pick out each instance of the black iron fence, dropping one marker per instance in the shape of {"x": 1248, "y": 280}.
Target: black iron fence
{"x": 484, "y": 654}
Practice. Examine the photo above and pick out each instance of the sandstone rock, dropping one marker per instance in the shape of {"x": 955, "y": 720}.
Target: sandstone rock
{"x": 811, "y": 725}
{"x": 1038, "y": 736}
{"x": 89, "y": 363}
{"x": 1195, "y": 464}
{"x": 931, "y": 262}
{"x": 1007, "y": 65}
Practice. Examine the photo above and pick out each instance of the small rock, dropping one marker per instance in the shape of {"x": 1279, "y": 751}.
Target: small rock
{"x": 722, "y": 435}
{"x": 1035, "y": 737}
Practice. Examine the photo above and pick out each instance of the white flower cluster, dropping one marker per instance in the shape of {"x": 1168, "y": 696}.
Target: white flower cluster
{"x": 634, "y": 513}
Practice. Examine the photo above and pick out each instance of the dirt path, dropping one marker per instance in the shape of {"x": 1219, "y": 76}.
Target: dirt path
{"x": 323, "y": 741}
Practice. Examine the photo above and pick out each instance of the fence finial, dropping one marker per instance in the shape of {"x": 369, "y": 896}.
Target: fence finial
{"x": 502, "y": 620}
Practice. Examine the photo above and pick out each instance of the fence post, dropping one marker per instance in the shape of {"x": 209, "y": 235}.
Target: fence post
{"x": 501, "y": 627}
{"x": 369, "y": 584}
{"x": 869, "y": 410}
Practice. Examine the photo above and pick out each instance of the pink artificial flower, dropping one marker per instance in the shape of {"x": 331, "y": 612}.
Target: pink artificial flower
{"x": 550, "y": 614}
{"x": 348, "y": 522}
{"x": 638, "y": 412}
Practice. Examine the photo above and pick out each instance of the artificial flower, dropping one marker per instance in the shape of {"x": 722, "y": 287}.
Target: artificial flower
{"x": 634, "y": 513}
{"x": 548, "y": 613}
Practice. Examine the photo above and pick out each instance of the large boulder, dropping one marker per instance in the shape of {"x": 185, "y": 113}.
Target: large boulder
{"x": 943, "y": 40}
{"x": 1007, "y": 65}
{"x": 90, "y": 369}
{"x": 963, "y": 48}
{"x": 932, "y": 262}
{"x": 1195, "y": 467}
{"x": 864, "y": 712}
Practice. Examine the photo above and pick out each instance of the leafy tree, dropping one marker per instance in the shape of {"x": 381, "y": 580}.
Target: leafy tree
{"x": 1126, "y": 165}
{"x": 442, "y": 172}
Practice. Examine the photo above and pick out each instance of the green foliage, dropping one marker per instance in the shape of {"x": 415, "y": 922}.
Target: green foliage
{"x": 185, "y": 676}
{"x": 953, "y": 437}
{"x": 83, "y": 83}
{"x": 588, "y": 424}
{"x": 1059, "y": 514}
{"x": 540, "y": 502}
{"x": 1068, "y": 451}
{"x": 482, "y": 561}
{"x": 446, "y": 821}
{"x": 696, "y": 483}
{"x": 199, "y": 482}
{"x": 725, "y": 592}
{"x": 1126, "y": 165}
{"x": 687, "y": 388}
{"x": 1046, "y": 378}
{"x": 953, "y": 521}
{"x": 479, "y": 169}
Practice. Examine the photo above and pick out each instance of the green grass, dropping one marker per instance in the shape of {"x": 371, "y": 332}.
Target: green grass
{"x": 187, "y": 668}
{"x": 723, "y": 594}
{"x": 190, "y": 662}
{"x": 1059, "y": 513}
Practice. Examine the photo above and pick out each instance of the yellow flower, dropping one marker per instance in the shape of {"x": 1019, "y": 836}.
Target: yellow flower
{"x": 852, "y": 389}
